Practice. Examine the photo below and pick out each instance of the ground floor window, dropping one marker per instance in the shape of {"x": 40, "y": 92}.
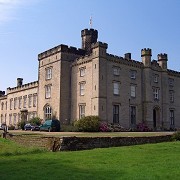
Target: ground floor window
{"x": 48, "y": 112}
{"x": 133, "y": 114}
{"x": 171, "y": 117}
{"x": 115, "y": 114}
{"x": 81, "y": 111}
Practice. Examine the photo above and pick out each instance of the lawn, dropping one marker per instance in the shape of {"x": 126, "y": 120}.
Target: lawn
{"x": 150, "y": 161}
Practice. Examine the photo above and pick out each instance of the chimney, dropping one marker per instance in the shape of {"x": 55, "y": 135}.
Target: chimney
{"x": 19, "y": 82}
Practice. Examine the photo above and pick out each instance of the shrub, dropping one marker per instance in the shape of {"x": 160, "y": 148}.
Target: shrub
{"x": 88, "y": 124}
{"x": 176, "y": 136}
{"x": 21, "y": 124}
{"x": 35, "y": 121}
{"x": 104, "y": 127}
{"x": 142, "y": 127}
{"x": 11, "y": 127}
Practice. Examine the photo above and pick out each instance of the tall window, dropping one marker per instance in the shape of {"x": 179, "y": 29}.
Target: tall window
{"x": 30, "y": 100}
{"x": 48, "y": 73}
{"x": 133, "y": 115}
{"x": 10, "y": 119}
{"x": 156, "y": 78}
{"x": 171, "y": 117}
{"x": 82, "y": 71}
{"x": 1, "y": 118}
{"x": 171, "y": 96}
{"x": 133, "y": 91}
{"x": 2, "y": 106}
{"x": 48, "y": 112}
{"x": 171, "y": 82}
{"x": 132, "y": 74}
{"x": 15, "y": 120}
{"x": 11, "y": 104}
{"x": 34, "y": 100}
{"x": 116, "y": 71}
{"x": 82, "y": 88}
{"x": 24, "y": 101}
{"x": 20, "y": 102}
{"x": 115, "y": 114}
{"x": 81, "y": 111}
{"x": 116, "y": 88}
{"x": 15, "y": 103}
{"x": 156, "y": 93}
{"x": 47, "y": 91}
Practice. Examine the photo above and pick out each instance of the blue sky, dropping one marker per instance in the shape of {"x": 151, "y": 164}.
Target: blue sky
{"x": 29, "y": 27}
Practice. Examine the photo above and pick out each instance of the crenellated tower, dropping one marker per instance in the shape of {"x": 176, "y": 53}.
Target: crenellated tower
{"x": 146, "y": 54}
{"x": 89, "y": 36}
{"x": 162, "y": 61}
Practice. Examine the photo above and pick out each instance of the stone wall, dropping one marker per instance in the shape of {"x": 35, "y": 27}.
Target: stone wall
{"x": 83, "y": 143}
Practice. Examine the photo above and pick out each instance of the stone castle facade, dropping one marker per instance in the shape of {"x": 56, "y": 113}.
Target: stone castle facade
{"x": 73, "y": 83}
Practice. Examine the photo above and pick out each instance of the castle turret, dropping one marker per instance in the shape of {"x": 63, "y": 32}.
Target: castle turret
{"x": 146, "y": 57}
{"x": 89, "y": 36}
{"x": 19, "y": 82}
{"x": 162, "y": 60}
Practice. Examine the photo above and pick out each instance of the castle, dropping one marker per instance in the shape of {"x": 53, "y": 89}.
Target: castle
{"x": 73, "y": 83}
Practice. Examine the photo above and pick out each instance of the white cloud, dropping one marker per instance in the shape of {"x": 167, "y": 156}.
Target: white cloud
{"x": 9, "y": 8}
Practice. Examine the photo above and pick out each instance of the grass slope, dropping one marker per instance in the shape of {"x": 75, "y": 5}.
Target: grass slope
{"x": 150, "y": 161}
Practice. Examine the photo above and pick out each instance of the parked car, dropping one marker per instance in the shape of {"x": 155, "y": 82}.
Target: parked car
{"x": 31, "y": 127}
{"x": 50, "y": 125}
{"x": 2, "y": 126}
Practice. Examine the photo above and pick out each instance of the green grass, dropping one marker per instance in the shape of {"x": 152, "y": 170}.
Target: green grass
{"x": 150, "y": 161}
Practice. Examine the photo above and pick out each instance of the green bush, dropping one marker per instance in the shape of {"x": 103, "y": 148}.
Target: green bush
{"x": 21, "y": 124}
{"x": 88, "y": 124}
{"x": 11, "y": 127}
{"x": 35, "y": 121}
{"x": 176, "y": 136}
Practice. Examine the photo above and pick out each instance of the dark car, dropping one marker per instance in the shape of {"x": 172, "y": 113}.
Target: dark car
{"x": 31, "y": 127}
{"x": 3, "y": 126}
{"x": 50, "y": 125}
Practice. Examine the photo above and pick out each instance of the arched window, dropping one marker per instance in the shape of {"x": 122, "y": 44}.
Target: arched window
{"x": 48, "y": 112}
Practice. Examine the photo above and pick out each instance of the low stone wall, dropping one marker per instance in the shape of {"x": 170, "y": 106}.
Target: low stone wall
{"x": 83, "y": 143}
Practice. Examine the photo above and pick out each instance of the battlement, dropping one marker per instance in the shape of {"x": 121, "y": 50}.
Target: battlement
{"x": 99, "y": 44}
{"x": 61, "y": 48}
{"x": 162, "y": 56}
{"x": 23, "y": 87}
{"x": 173, "y": 73}
{"x": 86, "y": 32}
{"x": 2, "y": 93}
{"x": 122, "y": 60}
{"x": 146, "y": 52}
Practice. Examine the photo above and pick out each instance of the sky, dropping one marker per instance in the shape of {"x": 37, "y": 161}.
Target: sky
{"x": 29, "y": 27}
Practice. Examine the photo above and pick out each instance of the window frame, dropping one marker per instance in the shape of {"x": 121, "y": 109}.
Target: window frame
{"x": 82, "y": 71}
{"x": 82, "y": 110}
{"x": 48, "y": 73}
{"x": 48, "y": 91}
{"x": 82, "y": 88}
{"x": 156, "y": 93}
{"x": 133, "y": 92}
{"x": 116, "y": 88}
{"x": 116, "y": 113}
{"x": 133, "y": 74}
{"x": 116, "y": 71}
